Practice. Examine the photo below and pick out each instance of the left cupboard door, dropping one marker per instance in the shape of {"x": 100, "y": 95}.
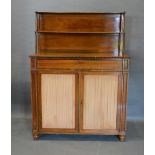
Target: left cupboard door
{"x": 58, "y": 107}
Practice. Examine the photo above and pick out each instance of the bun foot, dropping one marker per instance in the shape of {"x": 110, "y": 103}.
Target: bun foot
{"x": 35, "y": 135}
{"x": 122, "y": 138}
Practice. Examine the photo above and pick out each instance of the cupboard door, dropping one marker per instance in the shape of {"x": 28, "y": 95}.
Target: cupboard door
{"x": 58, "y": 102}
{"x": 99, "y": 107}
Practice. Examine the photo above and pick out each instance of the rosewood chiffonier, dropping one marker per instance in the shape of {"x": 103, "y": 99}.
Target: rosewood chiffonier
{"x": 79, "y": 74}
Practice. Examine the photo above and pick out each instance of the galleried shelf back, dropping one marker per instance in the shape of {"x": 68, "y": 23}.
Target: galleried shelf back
{"x": 79, "y": 74}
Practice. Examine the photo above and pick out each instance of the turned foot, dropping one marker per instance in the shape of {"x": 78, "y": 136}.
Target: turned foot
{"x": 121, "y": 138}
{"x": 35, "y": 135}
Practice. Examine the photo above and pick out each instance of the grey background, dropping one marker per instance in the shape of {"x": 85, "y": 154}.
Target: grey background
{"x": 23, "y": 26}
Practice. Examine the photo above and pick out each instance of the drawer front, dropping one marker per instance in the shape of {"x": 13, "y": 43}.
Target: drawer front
{"x": 115, "y": 65}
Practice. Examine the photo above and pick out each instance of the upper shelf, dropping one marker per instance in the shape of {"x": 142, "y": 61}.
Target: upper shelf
{"x": 80, "y": 22}
{"x": 80, "y": 31}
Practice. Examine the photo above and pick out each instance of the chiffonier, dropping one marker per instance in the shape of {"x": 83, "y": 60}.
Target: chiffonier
{"x": 79, "y": 74}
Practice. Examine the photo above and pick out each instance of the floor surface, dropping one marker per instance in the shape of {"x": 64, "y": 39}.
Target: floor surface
{"x": 23, "y": 144}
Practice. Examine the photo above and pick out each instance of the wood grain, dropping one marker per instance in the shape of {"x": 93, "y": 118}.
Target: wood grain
{"x": 82, "y": 22}
{"x": 100, "y": 101}
{"x": 58, "y": 100}
{"x": 80, "y": 64}
{"x": 105, "y": 42}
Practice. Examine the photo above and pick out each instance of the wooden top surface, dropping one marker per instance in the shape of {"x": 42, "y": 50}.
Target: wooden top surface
{"x": 46, "y": 12}
{"x": 77, "y": 55}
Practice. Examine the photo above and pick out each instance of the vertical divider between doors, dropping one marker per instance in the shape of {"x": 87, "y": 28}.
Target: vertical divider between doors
{"x": 77, "y": 102}
{"x": 81, "y": 99}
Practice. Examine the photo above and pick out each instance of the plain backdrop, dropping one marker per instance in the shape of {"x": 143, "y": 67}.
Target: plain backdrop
{"x": 23, "y": 44}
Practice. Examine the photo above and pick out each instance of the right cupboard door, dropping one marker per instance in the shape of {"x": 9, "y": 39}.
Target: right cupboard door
{"x": 99, "y": 100}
